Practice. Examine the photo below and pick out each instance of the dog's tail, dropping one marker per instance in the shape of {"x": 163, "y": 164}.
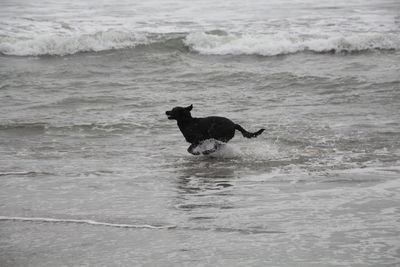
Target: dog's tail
{"x": 246, "y": 133}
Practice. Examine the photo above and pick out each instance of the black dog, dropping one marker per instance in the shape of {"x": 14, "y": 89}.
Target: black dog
{"x": 196, "y": 130}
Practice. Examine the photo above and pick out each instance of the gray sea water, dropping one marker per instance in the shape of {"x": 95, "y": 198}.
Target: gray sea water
{"x": 92, "y": 173}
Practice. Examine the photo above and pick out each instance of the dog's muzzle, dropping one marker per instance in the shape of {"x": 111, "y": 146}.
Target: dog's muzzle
{"x": 169, "y": 115}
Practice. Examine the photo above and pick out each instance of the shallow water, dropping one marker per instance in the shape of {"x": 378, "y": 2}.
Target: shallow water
{"x": 93, "y": 173}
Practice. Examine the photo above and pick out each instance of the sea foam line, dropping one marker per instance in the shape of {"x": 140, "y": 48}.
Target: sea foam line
{"x": 289, "y": 43}
{"x": 146, "y": 226}
{"x": 89, "y": 222}
{"x": 27, "y": 173}
{"x": 209, "y": 43}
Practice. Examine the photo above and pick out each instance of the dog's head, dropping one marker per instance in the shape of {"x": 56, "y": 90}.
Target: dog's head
{"x": 179, "y": 113}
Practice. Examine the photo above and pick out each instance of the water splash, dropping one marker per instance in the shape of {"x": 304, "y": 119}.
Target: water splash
{"x": 224, "y": 150}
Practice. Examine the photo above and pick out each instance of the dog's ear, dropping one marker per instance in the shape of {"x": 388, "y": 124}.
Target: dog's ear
{"x": 189, "y": 108}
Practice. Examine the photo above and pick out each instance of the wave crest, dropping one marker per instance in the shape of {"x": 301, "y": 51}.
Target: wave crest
{"x": 285, "y": 43}
{"x": 68, "y": 45}
{"x": 208, "y": 43}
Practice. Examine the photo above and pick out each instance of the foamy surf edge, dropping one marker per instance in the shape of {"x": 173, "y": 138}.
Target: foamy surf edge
{"x": 144, "y": 226}
{"x": 203, "y": 42}
{"x": 61, "y": 45}
{"x": 89, "y": 222}
{"x": 289, "y": 43}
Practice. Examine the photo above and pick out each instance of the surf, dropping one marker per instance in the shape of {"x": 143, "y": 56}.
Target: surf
{"x": 215, "y": 42}
{"x": 289, "y": 43}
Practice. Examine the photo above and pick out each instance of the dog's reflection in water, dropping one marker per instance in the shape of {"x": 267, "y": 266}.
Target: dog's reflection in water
{"x": 202, "y": 187}
{"x": 203, "y": 175}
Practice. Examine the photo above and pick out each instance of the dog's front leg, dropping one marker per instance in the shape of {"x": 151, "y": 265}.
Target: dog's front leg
{"x": 190, "y": 149}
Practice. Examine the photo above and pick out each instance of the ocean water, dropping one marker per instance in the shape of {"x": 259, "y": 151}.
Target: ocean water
{"x": 92, "y": 173}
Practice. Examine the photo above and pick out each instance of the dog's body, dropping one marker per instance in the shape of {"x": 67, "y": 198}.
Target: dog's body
{"x": 196, "y": 130}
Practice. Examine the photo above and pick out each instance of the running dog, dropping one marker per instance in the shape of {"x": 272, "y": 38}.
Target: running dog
{"x": 196, "y": 130}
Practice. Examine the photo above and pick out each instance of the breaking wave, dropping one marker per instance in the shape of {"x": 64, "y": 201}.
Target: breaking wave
{"x": 55, "y": 45}
{"x": 207, "y": 43}
{"x": 284, "y": 43}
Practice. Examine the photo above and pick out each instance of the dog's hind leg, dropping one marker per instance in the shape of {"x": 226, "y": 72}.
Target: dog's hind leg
{"x": 222, "y": 132}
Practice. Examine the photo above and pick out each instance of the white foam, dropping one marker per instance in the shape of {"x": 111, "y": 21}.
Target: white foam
{"x": 227, "y": 151}
{"x": 259, "y": 149}
{"x": 90, "y": 222}
{"x": 287, "y": 43}
{"x": 224, "y": 151}
{"x": 255, "y": 149}
{"x": 22, "y": 173}
{"x": 51, "y": 44}
{"x": 201, "y": 42}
